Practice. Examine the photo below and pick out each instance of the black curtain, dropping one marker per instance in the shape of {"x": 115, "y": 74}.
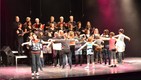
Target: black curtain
{"x": 82, "y": 10}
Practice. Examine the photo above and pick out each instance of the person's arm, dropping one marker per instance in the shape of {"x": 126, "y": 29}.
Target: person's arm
{"x": 76, "y": 40}
{"x": 116, "y": 36}
{"x": 82, "y": 47}
{"x": 50, "y": 41}
{"x": 49, "y": 44}
{"x": 44, "y": 42}
{"x": 18, "y": 33}
{"x": 58, "y": 40}
{"x": 41, "y": 25}
{"x": 115, "y": 39}
{"x": 33, "y": 26}
{"x": 126, "y": 37}
{"x": 102, "y": 44}
{"x": 105, "y": 39}
{"x": 25, "y": 43}
{"x": 95, "y": 44}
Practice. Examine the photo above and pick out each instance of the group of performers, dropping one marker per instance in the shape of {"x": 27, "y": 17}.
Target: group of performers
{"x": 62, "y": 40}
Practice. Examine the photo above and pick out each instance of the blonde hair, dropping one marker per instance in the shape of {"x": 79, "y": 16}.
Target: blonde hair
{"x": 28, "y": 18}
{"x": 71, "y": 34}
{"x": 61, "y": 17}
{"x": 90, "y": 39}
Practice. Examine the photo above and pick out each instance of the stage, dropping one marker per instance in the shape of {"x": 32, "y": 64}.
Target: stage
{"x": 129, "y": 70}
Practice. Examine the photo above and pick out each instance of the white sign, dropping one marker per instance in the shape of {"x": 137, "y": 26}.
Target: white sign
{"x": 57, "y": 46}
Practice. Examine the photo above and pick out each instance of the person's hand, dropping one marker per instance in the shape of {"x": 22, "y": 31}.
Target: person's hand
{"x": 22, "y": 44}
{"x": 77, "y": 51}
{"x": 129, "y": 39}
{"x": 49, "y": 40}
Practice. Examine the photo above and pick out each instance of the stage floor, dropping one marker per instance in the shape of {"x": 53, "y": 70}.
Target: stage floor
{"x": 50, "y": 72}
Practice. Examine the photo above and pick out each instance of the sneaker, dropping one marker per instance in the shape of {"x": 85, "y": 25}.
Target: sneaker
{"x": 87, "y": 67}
{"x": 93, "y": 67}
{"x": 37, "y": 77}
{"x": 32, "y": 74}
{"x": 63, "y": 66}
{"x": 32, "y": 77}
{"x": 37, "y": 74}
{"x": 41, "y": 69}
{"x": 75, "y": 65}
{"x": 70, "y": 66}
{"x": 111, "y": 65}
{"x": 115, "y": 66}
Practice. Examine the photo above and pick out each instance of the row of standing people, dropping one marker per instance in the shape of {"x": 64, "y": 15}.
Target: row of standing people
{"x": 86, "y": 35}
{"x": 68, "y": 40}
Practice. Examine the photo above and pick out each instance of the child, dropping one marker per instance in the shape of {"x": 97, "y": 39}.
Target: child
{"x": 35, "y": 44}
{"x": 79, "y": 55}
{"x": 90, "y": 52}
{"x": 120, "y": 45}
{"x": 112, "y": 49}
{"x": 98, "y": 48}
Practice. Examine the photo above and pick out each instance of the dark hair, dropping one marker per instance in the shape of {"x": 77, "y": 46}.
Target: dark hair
{"x": 121, "y": 30}
{"x": 106, "y": 32}
{"x": 19, "y": 24}
{"x": 78, "y": 22}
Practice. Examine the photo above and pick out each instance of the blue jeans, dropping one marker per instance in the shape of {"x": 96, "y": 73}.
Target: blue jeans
{"x": 120, "y": 57}
{"x": 99, "y": 57}
{"x": 106, "y": 56}
{"x": 35, "y": 61}
{"x": 41, "y": 63}
{"x": 69, "y": 55}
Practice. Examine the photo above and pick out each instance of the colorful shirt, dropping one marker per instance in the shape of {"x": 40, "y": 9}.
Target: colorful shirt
{"x": 112, "y": 43}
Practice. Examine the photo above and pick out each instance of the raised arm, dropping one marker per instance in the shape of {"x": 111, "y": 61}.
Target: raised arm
{"x": 126, "y": 37}
{"x": 76, "y": 40}
{"x": 105, "y": 39}
{"x": 44, "y": 42}
{"x": 49, "y": 43}
{"x": 95, "y": 44}
{"x": 82, "y": 47}
{"x": 116, "y": 36}
{"x": 26, "y": 43}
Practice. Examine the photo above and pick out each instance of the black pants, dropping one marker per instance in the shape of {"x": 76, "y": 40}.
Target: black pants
{"x": 20, "y": 48}
{"x": 57, "y": 56}
{"x": 49, "y": 59}
{"x": 78, "y": 58}
{"x": 72, "y": 49}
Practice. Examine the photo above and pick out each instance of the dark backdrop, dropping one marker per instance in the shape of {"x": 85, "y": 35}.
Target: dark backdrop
{"x": 96, "y": 11}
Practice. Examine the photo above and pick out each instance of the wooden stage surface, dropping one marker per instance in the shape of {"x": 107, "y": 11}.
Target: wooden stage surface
{"x": 130, "y": 65}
